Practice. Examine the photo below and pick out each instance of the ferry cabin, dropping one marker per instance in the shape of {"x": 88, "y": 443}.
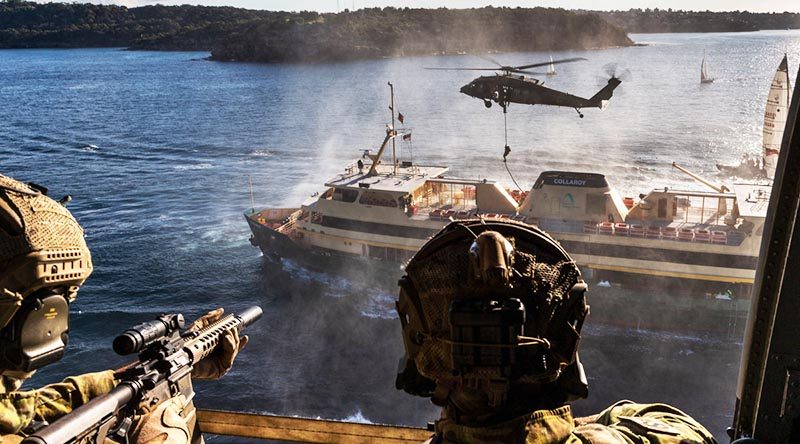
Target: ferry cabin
{"x": 706, "y": 236}
{"x": 386, "y": 216}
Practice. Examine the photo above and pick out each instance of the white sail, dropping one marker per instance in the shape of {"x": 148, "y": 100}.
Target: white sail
{"x": 775, "y": 116}
{"x": 704, "y": 76}
{"x": 551, "y": 68}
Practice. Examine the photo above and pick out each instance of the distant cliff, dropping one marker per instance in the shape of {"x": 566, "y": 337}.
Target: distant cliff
{"x": 667, "y": 20}
{"x": 390, "y": 32}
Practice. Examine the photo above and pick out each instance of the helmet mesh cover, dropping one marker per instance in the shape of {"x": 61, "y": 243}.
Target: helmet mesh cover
{"x": 542, "y": 281}
{"x": 50, "y": 250}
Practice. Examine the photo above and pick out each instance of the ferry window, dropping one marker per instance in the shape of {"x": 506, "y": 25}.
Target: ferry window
{"x": 378, "y": 199}
{"x": 345, "y": 195}
{"x": 595, "y": 204}
{"x": 377, "y": 252}
{"x": 662, "y": 207}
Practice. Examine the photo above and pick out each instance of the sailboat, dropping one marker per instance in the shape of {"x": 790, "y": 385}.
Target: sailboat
{"x": 775, "y": 116}
{"x": 704, "y": 76}
{"x": 775, "y": 112}
{"x": 551, "y": 68}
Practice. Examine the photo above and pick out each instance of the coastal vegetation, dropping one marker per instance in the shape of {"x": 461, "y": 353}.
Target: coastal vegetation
{"x": 241, "y": 34}
{"x": 70, "y": 25}
{"x": 307, "y": 36}
{"x": 668, "y": 20}
{"x": 390, "y": 32}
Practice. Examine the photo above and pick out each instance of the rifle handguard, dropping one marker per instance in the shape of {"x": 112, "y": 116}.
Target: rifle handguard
{"x": 203, "y": 343}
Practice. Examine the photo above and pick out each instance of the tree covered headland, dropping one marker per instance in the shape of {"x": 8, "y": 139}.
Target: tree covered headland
{"x": 241, "y": 34}
{"x": 70, "y": 25}
{"x": 389, "y": 32}
{"x": 668, "y": 20}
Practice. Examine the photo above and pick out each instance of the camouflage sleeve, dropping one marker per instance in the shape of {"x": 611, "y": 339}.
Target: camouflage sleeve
{"x": 18, "y": 409}
{"x": 629, "y": 422}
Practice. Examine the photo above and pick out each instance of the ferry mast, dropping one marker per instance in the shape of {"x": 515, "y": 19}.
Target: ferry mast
{"x": 391, "y": 107}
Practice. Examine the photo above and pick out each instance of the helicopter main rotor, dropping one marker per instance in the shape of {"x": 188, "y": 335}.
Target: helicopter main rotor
{"x": 506, "y": 69}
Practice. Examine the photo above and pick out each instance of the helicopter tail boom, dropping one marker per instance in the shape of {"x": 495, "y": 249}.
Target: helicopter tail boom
{"x": 600, "y": 100}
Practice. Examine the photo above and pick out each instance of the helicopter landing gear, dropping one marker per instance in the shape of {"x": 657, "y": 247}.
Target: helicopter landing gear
{"x": 487, "y": 103}
{"x": 580, "y": 114}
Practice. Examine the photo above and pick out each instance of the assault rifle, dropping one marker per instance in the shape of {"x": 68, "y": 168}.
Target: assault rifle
{"x": 167, "y": 354}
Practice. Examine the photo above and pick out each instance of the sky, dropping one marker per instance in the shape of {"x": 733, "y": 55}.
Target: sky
{"x": 334, "y": 5}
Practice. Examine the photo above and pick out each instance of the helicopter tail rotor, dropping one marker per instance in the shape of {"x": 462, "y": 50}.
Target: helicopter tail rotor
{"x": 614, "y": 71}
{"x": 600, "y": 100}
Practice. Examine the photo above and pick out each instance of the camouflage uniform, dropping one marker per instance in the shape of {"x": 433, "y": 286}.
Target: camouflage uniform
{"x": 625, "y": 422}
{"x": 18, "y": 409}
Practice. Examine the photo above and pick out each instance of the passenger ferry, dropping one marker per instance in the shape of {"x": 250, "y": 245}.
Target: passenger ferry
{"x": 385, "y": 212}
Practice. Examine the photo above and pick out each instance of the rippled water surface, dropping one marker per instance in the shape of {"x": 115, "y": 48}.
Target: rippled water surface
{"x": 156, "y": 149}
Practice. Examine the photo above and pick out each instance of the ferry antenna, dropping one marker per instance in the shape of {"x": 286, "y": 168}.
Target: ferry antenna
{"x": 250, "y": 187}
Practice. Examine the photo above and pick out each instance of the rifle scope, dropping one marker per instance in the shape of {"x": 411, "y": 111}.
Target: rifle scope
{"x": 135, "y": 339}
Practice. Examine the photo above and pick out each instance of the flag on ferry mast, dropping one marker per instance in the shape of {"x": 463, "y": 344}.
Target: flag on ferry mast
{"x": 400, "y": 117}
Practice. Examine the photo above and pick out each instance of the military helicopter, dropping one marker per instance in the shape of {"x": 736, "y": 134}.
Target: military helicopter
{"x": 507, "y": 87}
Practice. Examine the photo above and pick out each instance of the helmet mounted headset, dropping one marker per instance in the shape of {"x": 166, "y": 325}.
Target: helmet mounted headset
{"x": 43, "y": 262}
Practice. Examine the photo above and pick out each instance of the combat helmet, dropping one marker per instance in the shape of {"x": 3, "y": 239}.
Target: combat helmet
{"x": 491, "y": 313}
{"x": 43, "y": 262}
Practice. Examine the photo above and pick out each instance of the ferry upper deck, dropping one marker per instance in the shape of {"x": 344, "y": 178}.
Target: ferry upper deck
{"x": 405, "y": 178}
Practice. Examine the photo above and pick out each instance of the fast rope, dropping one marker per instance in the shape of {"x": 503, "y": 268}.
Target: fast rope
{"x": 507, "y": 149}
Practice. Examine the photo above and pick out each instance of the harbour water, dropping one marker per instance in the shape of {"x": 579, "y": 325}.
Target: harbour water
{"x": 156, "y": 149}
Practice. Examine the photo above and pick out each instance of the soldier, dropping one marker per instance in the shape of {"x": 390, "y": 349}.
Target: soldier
{"x": 43, "y": 262}
{"x": 491, "y": 314}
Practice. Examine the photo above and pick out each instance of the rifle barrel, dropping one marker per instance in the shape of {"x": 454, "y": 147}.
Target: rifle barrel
{"x": 70, "y": 427}
{"x": 250, "y": 315}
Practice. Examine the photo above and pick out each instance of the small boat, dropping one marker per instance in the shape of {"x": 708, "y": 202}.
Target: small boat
{"x": 775, "y": 113}
{"x": 551, "y": 68}
{"x": 705, "y": 77}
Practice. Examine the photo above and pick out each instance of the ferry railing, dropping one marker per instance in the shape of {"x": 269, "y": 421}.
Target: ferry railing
{"x": 667, "y": 233}
{"x": 289, "y": 224}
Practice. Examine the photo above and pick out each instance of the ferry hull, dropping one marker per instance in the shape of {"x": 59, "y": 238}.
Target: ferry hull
{"x": 276, "y": 246}
{"x": 650, "y": 302}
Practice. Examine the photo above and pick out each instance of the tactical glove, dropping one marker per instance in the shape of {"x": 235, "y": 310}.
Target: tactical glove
{"x": 221, "y": 359}
{"x": 163, "y": 425}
